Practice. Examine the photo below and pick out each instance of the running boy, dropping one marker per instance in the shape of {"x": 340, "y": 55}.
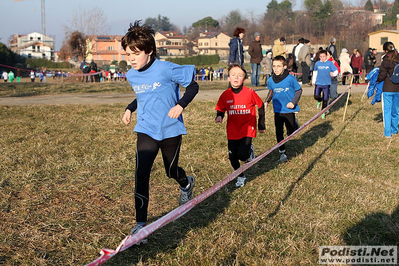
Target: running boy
{"x": 239, "y": 102}
{"x": 159, "y": 114}
{"x": 285, "y": 92}
{"x": 323, "y": 71}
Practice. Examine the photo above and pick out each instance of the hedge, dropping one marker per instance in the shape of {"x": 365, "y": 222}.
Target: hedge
{"x": 199, "y": 60}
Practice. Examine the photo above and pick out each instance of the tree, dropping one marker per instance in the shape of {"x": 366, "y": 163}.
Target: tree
{"x": 369, "y": 6}
{"x": 205, "y": 23}
{"x": 88, "y": 22}
{"x": 77, "y": 44}
{"x": 312, "y": 5}
{"x": 160, "y": 23}
{"x": 233, "y": 20}
{"x": 123, "y": 65}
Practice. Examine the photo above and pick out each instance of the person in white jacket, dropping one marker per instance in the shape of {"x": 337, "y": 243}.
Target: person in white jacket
{"x": 345, "y": 66}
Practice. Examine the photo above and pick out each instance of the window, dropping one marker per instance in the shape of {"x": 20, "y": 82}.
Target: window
{"x": 38, "y": 48}
{"x": 33, "y": 48}
{"x": 38, "y": 38}
{"x": 110, "y": 48}
{"x": 31, "y": 38}
{"x": 384, "y": 40}
{"x": 216, "y": 44}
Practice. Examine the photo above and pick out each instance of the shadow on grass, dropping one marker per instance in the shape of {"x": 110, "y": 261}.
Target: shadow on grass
{"x": 378, "y": 118}
{"x": 315, "y": 160}
{"x": 375, "y": 229}
{"x": 168, "y": 238}
{"x": 297, "y": 146}
{"x": 341, "y": 103}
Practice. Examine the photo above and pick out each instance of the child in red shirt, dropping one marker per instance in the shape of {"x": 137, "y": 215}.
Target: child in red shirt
{"x": 239, "y": 103}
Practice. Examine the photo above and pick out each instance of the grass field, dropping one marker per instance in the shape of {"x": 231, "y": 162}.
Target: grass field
{"x": 66, "y": 189}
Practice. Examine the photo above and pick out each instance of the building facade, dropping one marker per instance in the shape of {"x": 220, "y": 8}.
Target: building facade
{"x": 171, "y": 43}
{"x": 214, "y": 43}
{"x": 33, "y": 45}
{"x": 104, "y": 49}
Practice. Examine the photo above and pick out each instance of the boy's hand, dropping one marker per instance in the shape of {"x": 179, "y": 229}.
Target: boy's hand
{"x": 290, "y": 105}
{"x": 127, "y": 117}
{"x": 175, "y": 112}
{"x": 218, "y": 119}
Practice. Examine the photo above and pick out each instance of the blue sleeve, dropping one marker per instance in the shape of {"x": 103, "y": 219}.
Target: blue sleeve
{"x": 295, "y": 84}
{"x": 183, "y": 75}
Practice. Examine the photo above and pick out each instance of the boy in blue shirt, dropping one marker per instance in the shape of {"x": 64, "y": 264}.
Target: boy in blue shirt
{"x": 159, "y": 115}
{"x": 323, "y": 71}
{"x": 285, "y": 92}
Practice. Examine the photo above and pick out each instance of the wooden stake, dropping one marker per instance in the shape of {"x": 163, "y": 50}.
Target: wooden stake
{"x": 347, "y": 99}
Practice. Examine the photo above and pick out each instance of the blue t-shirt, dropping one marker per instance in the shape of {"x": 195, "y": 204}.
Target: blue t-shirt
{"x": 323, "y": 72}
{"x": 283, "y": 93}
{"x": 157, "y": 91}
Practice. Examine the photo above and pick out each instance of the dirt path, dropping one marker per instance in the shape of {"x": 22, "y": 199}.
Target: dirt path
{"x": 109, "y": 98}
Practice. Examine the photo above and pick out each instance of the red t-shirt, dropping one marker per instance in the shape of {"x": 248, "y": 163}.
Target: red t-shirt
{"x": 241, "y": 112}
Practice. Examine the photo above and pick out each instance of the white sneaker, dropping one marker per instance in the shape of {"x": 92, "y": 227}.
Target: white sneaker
{"x": 135, "y": 230}
{"x": 240, "y": 181}
{"x": 187, "y": 194}
{"x": 252, "y": 155}
{"x": 283, "y": 158}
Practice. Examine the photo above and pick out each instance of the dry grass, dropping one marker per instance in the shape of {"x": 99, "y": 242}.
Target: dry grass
{"x": 66, "y": 189}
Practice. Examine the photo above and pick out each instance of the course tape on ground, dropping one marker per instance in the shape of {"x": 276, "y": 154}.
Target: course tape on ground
{"x": 130, "y": 240}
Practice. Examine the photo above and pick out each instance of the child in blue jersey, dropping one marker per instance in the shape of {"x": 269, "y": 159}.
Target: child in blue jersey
{"x": 323, "y": 71}
{"x": 159, "y": 115}
{"x": 285, "y": 92}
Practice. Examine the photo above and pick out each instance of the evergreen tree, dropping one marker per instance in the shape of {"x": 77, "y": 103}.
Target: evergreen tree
{"x": 369, "y": 6}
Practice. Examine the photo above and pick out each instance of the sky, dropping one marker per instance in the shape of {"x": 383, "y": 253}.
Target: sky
{"x": 24, "y": 16}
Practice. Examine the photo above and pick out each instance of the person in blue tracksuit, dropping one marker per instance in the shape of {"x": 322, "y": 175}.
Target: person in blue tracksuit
{"x": 390, "y": 90}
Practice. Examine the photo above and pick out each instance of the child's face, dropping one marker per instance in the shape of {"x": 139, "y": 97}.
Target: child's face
{"x": 137, "y": 58}
{"x": 236, "y": 77}
{"x": 278, "y": 67}
{"x": 323, "y": 57}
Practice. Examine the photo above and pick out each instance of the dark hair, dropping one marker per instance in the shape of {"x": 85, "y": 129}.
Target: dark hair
{"x": 237, "y": 31}
{"x": 390, "y": 50}
{"x": 280, "y": 58}
{"x": 140, "y": 37}
{"x": 329, "y": 52}
{"x": 306, "y": 41}
{"x": 323, "y": 52}
{"x": 239, "y": 66}
{"x": 301, "y": 40}
{"x": 282, "y": 39}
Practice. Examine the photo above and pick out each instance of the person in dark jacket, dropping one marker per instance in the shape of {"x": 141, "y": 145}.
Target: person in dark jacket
{"x": 255, "y": 51}
{"x": 356, "y": 63}
{"x": 390, "y": 91}
{"x": 236, "y": 47}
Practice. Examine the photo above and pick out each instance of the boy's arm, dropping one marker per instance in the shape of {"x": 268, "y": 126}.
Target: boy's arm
{"x": 219, "y": 116}
{"x": 314, "y": 77}
{"x": 132, "y": 106}
{"x": 269, "y": 97}
{"x": 297, "y": 96}
{"x": 261, "y": 119}
{"x": 191, "y": 91}
{"x": 127, "y": 116}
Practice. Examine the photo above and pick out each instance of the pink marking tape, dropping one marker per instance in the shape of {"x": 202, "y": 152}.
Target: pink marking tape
{"x": 129, "y": 240}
